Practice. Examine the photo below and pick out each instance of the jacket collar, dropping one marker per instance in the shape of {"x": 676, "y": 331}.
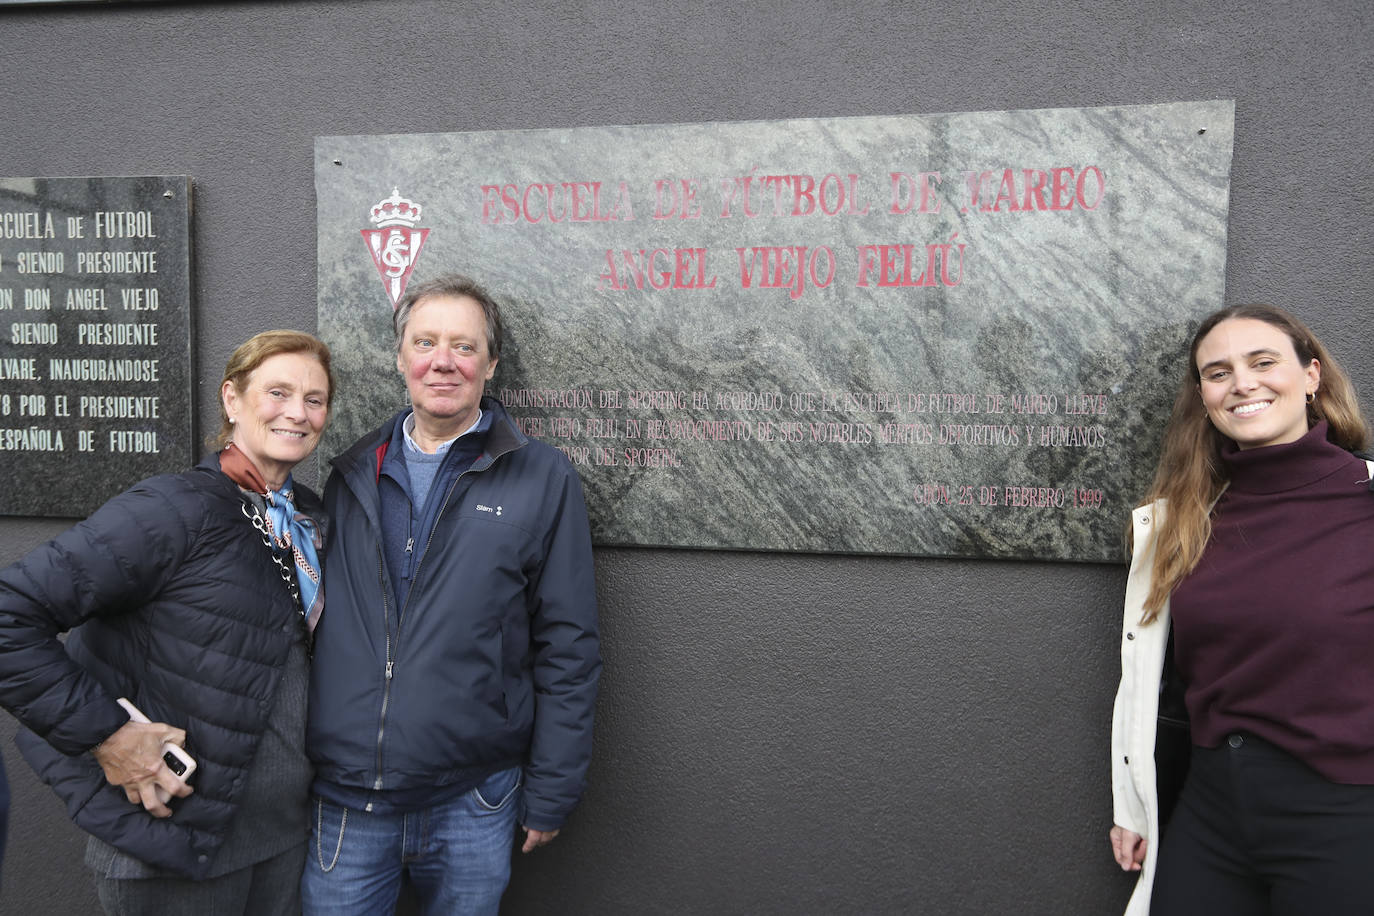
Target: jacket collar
{"x": 365, "y": 456}
{"x": 306, "y": 499}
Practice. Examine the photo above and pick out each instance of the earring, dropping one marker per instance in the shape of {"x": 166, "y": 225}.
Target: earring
{"x": 1311, "y": 397}
{"x": 232, "y": 421}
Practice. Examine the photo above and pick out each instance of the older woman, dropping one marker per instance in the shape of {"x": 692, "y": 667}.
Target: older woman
{"x": 191, "y": 595}
{"x": 1256, "y": 546}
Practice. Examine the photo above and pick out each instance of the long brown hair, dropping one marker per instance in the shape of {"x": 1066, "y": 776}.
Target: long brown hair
{"x": 1191, "y": 474}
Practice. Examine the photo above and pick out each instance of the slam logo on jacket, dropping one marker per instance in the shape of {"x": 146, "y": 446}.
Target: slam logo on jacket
{"x": 396, "y": 241}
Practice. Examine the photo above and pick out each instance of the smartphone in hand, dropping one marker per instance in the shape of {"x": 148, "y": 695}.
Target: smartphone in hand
{"x": 178, "y": 761}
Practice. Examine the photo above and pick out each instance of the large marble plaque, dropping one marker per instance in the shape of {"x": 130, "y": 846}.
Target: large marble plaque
{"x": 947, "y": 335}
{"x": 95, "y": 360}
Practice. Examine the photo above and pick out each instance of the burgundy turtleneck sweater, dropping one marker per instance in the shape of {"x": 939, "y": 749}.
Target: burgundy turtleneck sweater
{"x": 1274, "y": 629}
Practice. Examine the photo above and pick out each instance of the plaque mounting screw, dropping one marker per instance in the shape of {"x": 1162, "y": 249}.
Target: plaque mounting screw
{"x": 338, "y": 162}
{"x": 1201, "y": 131}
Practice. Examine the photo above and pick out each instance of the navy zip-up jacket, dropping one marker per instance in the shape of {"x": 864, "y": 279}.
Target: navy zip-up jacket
{"x": 494, "y": 658}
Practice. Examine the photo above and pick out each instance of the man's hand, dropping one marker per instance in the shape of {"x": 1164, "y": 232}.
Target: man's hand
{"x": 1128, "y": 848}
{"x": 132, "y": 760}
{"x": 536, "y": 838}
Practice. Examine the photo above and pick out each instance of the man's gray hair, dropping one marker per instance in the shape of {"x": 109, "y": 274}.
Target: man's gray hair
{"x": 453, "y": 285}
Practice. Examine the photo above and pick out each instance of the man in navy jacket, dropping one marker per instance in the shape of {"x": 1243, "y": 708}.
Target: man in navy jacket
{"x": 455, "y": 668}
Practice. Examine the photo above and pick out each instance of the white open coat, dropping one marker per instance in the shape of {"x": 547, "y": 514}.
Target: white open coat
{"x": 1135, "y": 802}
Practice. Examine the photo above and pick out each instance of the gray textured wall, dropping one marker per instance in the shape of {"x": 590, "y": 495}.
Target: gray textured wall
{"x": 778, "y": 733}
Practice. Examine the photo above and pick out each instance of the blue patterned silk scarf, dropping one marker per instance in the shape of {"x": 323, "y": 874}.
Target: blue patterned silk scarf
{"x": 288, "y": 529}
{"x": 302, "y": 535}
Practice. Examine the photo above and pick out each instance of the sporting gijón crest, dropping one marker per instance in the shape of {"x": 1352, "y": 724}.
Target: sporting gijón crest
{"x": 396, "y": 242}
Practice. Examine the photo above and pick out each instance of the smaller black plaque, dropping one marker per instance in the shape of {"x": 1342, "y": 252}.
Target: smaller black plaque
{"x": 95, "y": 338}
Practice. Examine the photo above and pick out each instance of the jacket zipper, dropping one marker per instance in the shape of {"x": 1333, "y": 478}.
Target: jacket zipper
{"x": 386, "y": 685}
{"x": 400, "y": 617}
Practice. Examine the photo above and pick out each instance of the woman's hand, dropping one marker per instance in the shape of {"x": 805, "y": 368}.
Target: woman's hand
{"x": 1128, "y": 848}
{"x": 132, "y": 760}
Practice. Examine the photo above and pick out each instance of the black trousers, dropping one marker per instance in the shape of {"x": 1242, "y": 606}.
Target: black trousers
{"x": 269, "y": 888}
{"x": 1259, "y": 833}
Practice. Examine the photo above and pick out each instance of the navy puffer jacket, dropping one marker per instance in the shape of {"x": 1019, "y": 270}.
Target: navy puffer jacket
{"x": 181, "y": 608}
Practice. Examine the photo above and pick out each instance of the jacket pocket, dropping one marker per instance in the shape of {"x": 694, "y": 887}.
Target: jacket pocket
{"x": 501, "y": 673}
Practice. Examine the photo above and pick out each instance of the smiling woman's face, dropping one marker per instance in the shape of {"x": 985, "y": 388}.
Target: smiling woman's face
{"x": 1253, "y": 384}
{"x": 279, "y": 415}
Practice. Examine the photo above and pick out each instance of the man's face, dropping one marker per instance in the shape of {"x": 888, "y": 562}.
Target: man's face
{"x": 445, "y": 362}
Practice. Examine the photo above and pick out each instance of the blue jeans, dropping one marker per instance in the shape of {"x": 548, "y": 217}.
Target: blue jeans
{"x": 457, "y": 854}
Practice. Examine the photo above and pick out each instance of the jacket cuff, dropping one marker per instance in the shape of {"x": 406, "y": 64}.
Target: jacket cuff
{"x": 538, "y": 820}
{"x": 93, "y": 724}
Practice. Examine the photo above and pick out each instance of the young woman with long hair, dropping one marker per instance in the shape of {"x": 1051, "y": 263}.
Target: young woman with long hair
{"x": 1254, "y": 544}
